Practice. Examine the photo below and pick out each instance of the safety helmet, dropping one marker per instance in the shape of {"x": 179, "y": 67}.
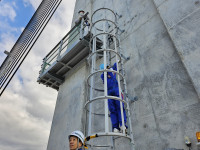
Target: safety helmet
{"x": 81, "y": 11}
{"x": 79, "y": 135}
{"x": 101, "y": 66}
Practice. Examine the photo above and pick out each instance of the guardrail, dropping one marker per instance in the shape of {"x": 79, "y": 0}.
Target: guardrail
{"x": 77, "y": 32}
{"x": 59, "y": 49}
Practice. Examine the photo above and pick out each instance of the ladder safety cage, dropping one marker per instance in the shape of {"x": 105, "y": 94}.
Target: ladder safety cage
{"x": 99, "y": 114}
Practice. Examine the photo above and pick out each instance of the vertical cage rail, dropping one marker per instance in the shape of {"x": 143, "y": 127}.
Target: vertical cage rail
{"x": 104, "y": 28}
{"x": 127, "y": 99}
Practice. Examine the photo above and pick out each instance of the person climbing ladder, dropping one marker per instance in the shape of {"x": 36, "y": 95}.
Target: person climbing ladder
{"x": 114, "y": 105}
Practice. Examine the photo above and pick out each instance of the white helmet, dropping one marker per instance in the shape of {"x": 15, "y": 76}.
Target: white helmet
{"x": 79, "y": 135}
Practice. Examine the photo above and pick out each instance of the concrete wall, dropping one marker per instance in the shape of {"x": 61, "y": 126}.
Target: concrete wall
{"x": 69, "y": 111}
{"x": 162, "y": 39}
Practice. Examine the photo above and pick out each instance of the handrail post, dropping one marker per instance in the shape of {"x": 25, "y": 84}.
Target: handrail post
{"x": 44, "y": 65}
{"x": 60, "y": 49}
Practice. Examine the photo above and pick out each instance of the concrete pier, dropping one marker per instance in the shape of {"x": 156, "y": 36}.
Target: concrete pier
{"x": 162, "y": 39}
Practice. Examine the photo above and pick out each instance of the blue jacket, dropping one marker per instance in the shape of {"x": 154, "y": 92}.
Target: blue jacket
{"x": 111, "y": 81}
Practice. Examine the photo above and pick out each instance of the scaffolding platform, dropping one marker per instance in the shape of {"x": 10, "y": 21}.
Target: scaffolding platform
{"x": 54, "y": 75}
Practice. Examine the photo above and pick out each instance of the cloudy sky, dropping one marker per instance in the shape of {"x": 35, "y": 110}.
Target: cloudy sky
{"x": 26, "y": 107}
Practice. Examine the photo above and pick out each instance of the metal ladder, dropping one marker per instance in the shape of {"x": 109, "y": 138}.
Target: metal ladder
{"x": 98, "y": 126}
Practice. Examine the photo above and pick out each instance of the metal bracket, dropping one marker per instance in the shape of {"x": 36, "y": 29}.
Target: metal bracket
{"x": 119, "y": 16}
{"x": 126, "y": 58}
{"x": 56, "y": 77}
{"x": 6, "y": 52}
{"x": 122, "y": 31}
{"x": 132, "y": 99}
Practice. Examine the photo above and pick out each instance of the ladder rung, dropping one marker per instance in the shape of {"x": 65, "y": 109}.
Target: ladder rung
{"x": 101, "y": 146}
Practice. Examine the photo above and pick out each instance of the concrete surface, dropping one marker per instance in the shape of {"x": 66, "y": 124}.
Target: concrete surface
{"x": 162, "y": 39}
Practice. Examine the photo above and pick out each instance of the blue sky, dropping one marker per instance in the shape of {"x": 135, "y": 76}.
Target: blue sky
{"x": 14, "y": 16}
{"x": 24, "y": 12}
{"x": 26, "y": 107}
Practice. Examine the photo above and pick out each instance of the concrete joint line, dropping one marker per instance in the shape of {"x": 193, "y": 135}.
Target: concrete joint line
{"x": 184, "y": 18}
{"x": 139, "y": 27}
{"x": 173, "y": 43}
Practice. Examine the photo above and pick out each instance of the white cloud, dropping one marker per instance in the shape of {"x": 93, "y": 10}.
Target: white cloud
{"x": 34, "y": 3}
{"x": 22, "y": 129}
{"x": 26, "y": 110}
{"x": 6, "y": 43}
{"x": 7, "y": 10}
{"x": 7, "y": 38}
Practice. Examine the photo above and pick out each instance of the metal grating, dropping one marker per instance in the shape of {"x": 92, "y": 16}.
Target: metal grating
{"x": 26, "y": 41}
